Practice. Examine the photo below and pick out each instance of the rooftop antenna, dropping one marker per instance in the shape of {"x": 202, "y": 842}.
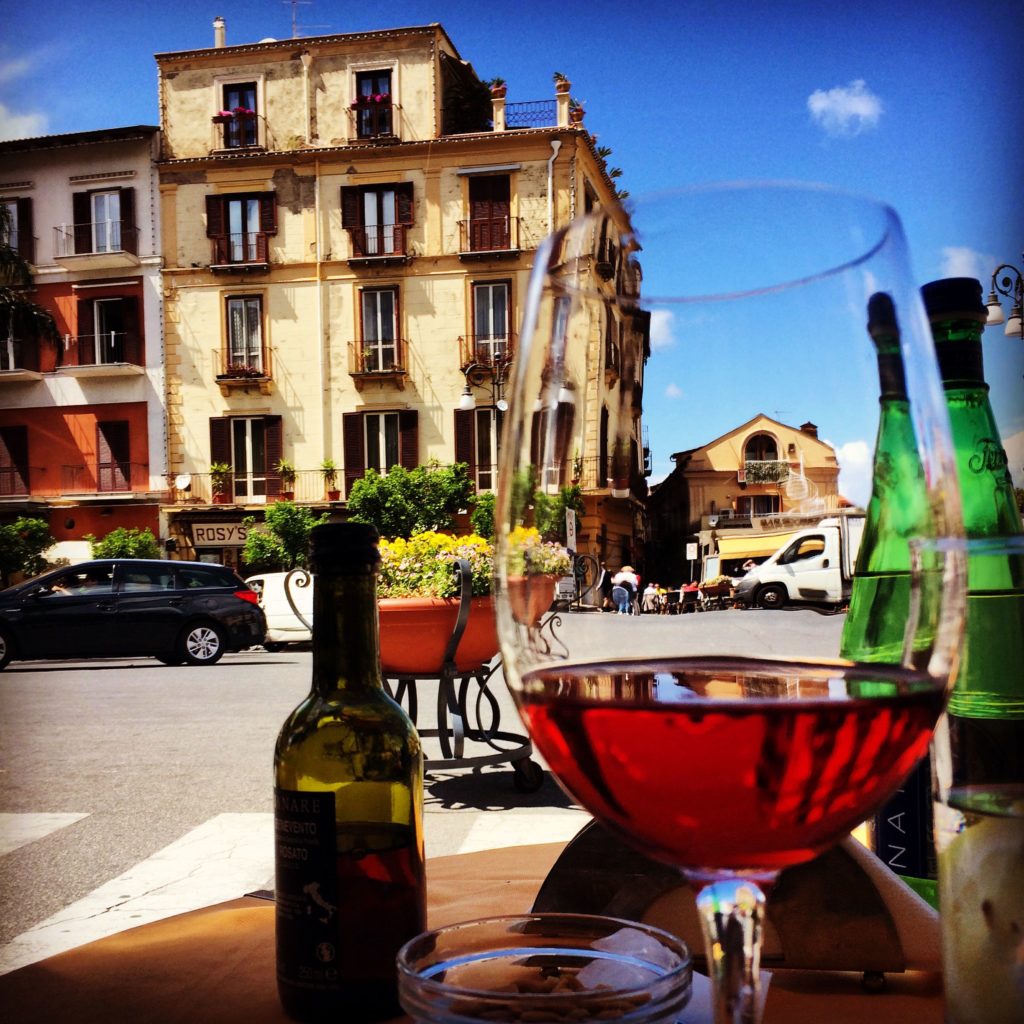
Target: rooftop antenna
{"x": 294, "y": 4}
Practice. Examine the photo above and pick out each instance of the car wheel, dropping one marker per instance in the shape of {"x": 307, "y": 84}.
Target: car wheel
{"x": 6, "y": 648}
{"x": 202, "y": 644}
{"x": 772, "y": 596}
{"x": 272, "y": 648}
{"x": 170, "y": 659}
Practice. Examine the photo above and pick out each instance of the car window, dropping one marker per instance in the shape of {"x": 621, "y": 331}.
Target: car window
{"x": 82, "y": 582}
{"x": 193, "y": 577}
{"x": 134, "y": 579}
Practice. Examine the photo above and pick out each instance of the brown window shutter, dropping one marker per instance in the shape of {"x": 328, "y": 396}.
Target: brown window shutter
{"x": 220, "y": 439}
{"x": 215, "y": 227}
{"x": 26, "y": 236}
{"x": 408, "y": 439}
{"x": 134, "y": 349}
{"x": 113, "y": 455}
{"x": 354, "y": 448}
{"x": 535, "y": 422}
{"x": 274, "y": 435}
{"x": 351, "y": 207}
{"x": 268, "y": 213}
{"x": 81, "y": 209}
{"x": 85, "y": 331}
{"x": 404, "y": 202}
{"x": 564, "y": 417}
{"x": 14, "y": 458}
{"x": 129, "y": 235}
{"x": 465, "y": 438}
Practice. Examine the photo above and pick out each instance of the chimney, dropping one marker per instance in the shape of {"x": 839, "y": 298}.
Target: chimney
{"x": 809, "y": 428}
{"x": 219, "y": 33}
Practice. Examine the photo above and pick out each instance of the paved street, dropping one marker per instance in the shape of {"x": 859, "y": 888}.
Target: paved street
{"x": 133, "y": 791}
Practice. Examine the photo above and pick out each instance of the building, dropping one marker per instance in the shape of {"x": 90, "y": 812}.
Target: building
{"x": 349, "y": 226}
{"x": 736, "y": 496}
{"x": 82, "y": 425}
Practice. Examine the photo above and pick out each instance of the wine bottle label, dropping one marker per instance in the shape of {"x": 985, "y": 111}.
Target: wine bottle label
{"x": 902, "y": 829}
{"x": 306, "y": 887}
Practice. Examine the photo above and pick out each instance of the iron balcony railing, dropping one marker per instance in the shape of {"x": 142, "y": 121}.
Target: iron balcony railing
{"x": 493, "y": 351}
{"x": 13, "y": 482}
{"x": 235, "y": 366}
{"x": 381, "y": 240}
{"x": 103, "y": 349}
{"x": 489, "y": 234}
{"x": 239, "y": 131}
{"x": 94, "y": 238}
{"x": 373, "y": 119}
{"x": 383, "y": 358}
{"x": 255, "y": 487}
{"x": 104, "y": 477}
{"x": 247, "y": 247}
{"x": 16, "y": 354}
{"x": 531, "y": 114}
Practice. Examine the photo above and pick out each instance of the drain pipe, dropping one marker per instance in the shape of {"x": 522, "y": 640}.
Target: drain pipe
{"x": 556, "y": 145}
{"x": 307, "y": 63}
{"x": 325, "y": 404}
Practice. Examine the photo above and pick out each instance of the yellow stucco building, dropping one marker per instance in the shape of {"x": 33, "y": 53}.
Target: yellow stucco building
{"x": 349, "y": 223}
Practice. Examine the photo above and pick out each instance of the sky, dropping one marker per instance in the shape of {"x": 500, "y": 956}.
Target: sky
{"x": 918, "y": 105}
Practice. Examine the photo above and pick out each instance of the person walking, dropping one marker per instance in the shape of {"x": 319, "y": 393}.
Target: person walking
{"x": 627, "y": 581}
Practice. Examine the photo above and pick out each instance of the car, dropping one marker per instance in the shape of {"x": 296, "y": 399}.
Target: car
{"x": 287, "y": 601}
{"x": 178, "y": 612}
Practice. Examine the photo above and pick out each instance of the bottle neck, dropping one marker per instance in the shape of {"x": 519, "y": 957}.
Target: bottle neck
{"x": 959, "y": 353}
{"x": 346, "y": 636}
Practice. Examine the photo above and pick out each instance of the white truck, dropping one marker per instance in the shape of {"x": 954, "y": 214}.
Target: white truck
{"x": 814, "y": 566}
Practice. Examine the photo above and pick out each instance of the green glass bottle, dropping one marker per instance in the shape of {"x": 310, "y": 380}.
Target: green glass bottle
{"x": 880, "y": 598}
{"x": 986, "y": 708}
{"x": 348, "y": 806}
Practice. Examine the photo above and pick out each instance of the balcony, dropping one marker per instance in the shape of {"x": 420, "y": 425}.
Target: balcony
{"x": 110, "y": 354}
{"x": 106, "y": 478}
{"x": 97, "y": 245}
{"x": 235, "y": 372}
{"x": 612, "y": 362}
{"x": 252, "y": 488}
{"x": 236, "y": 130}
{"x": 247, "y": 251}
{"x": 19, "y": 361}
{"x": 531, "y": 114}
{"x": 373, "y": 119}
{"x": 486, "y": 353}
{"x": 763, "y": 471}
{"x": 14, "y": 482}
{"x": 379, "y": 245}
{"x": 378, "y": 362}
{"x": 489, "y": 238}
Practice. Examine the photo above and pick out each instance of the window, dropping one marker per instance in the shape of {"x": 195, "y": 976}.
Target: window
{"x": 757, "y": 505}
{"x": 105, "y": 221}
{"x": 108, "y": 332}
{"x": 372, "y": 106}
{"x": 113, "y": 456}
{"x": 490, "y": 321}
{"x": 379, "y": 307}
{"x": 239, "y": 227}
{"x": 18, "y": 234}
{"x": 252, "y": 446}
{"x": 13, "y": 460}
{"x": 242, "y": 129}
{"x": 761, "y": 448}
{"x": 379, "y": 440}
{"x": 805, "y": 548}
{"x": 377, "y": 218}
{"x": 477, "y": 436}
{"x": 489, "y": 212}
{"x": 245, "y": 335}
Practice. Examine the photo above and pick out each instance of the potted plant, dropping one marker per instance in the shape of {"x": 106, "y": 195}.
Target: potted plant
{"x": 534, "y": 567}
{"x": 562, "y": 84}
{"x": 286, "y": 471}
{"x": 498, "y": 87}
{"x": 418, "y": 603}
{"x": 330, "y": 474}
{"x": 575, "y": 110}
{"x": 220, "y": 478}
{"x": 222, "y": 117}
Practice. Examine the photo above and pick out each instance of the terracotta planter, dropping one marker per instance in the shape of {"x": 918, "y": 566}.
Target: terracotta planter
{"x": 498, "y": 91}
{"x": 220, "y": 499}
{"x": 287, "y": 495}
{"x": 334, "y": 495}
{"x": 530, "y": 597}
{"x": 414, "y": 632}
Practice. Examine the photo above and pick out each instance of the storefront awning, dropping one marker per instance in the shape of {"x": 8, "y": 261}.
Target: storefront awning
{"x": 752, "y": 546}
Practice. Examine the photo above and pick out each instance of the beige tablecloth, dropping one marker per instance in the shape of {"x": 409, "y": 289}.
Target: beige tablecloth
{"x": 217, "y": 964}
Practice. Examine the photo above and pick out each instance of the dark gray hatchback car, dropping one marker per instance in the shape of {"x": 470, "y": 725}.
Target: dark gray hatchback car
{"x": 177, "y": 612}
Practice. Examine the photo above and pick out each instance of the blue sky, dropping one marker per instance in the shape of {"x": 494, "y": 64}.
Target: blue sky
{"x": 916, "y": 104}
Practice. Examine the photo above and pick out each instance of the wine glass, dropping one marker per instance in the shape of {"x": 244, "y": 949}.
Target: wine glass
{"x": 721, "y": 341}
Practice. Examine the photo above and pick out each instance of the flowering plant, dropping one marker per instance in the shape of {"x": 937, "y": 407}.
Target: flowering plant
{"x": 424, "y": 565}
{"x": 223, "y": 113}
{"x": 529, "y": 555}
{"x": 242, "y": 110}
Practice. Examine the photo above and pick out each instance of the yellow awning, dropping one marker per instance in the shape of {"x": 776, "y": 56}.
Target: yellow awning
{"x": 752, "y": 545}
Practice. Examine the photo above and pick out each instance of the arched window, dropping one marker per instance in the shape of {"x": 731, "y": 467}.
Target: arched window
{"x": 761, "y": 448}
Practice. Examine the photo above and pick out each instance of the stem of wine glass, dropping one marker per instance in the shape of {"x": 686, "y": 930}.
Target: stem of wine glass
{"x": 732, "y": 918}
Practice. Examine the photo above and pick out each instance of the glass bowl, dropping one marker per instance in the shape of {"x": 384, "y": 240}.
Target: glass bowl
{"x": 575, "y": 968}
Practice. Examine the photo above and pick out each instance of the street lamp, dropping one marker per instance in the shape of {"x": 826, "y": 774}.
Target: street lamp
{"x": 1011, "y": 284}
{"x": 490, "y": 376}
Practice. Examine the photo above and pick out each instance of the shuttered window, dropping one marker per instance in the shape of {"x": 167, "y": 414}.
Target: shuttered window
{"x": 377, "y": 217}
{"x": 489, "y": 212}
{"x": 239, "y": 226}
{"x": 252, "y": 446}
{"x": 105, "y": 221}
{"x": 113, "y": 456}
{"x": 13, "y": 460}
{"x": 379, "y": 440}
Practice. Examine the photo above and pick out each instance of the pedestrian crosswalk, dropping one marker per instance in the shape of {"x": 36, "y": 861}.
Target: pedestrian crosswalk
{"x": 221, "y": 859}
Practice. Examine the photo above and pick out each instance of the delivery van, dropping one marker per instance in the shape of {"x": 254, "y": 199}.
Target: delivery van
{"x": 814, "y": 566}
{"x": 288, "y": 621}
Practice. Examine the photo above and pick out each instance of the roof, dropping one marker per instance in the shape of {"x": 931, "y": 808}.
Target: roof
{"x": 135, "y": 131}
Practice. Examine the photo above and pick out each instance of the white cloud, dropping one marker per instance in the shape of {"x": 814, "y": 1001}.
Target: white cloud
{"x": 21, "y": 126}
{"x": 662, "y": 329}
{"x": 845, "y": 110}
{"x": 673, "y": 391}
{"x": 14, "y": 68}
{"x": 855, "y": 465}
{"x": 1014, "y": 446}
{"x": 960, "y": 261}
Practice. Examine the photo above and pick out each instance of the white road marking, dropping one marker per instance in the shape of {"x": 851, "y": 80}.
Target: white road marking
{"x": 18, "y": 830}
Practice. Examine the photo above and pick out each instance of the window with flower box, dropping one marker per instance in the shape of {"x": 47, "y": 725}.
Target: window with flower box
{"x": 372, "y": 107}
{"x": 238, "y": 115}
{"x": 244, "y": 357}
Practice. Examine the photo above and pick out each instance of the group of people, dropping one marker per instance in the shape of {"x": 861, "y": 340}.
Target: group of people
{"x": 621, "y": 593}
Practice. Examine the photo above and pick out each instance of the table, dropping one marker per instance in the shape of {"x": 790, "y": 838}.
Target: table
{"x": 217, "y": 964}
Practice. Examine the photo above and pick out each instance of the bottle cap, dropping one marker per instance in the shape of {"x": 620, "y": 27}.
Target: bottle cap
{"x": 881, "y": 314}
{"x": 343, "y": 547}
{"x": 959, "y": 297}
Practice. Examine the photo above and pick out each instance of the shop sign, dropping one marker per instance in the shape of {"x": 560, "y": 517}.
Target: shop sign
{"x": 219, "y": 535}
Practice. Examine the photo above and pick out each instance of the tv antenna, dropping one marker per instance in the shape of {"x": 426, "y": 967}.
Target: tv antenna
{"x": 294, "y": 4}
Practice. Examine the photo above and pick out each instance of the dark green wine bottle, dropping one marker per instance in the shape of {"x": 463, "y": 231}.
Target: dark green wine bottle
{"x": 986, "y": 708}
{"x": 348, "y": 806}
{"x": 880, "y": 598}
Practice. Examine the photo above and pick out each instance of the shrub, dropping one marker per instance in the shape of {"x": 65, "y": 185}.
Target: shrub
{"x": 406, "y": 502}
{"x": 281, "y": 541}
{"x": 22, "y": 544}
{"x": 424, "y": 565}
{"x": 126, "y": 542}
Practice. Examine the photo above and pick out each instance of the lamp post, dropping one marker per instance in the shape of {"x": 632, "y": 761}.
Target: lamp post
{"x": 490, "y": 376}
{"x": 1007, "y": 280}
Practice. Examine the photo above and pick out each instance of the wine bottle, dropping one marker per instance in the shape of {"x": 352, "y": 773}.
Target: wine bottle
{"x": 880, "y": 597}
{"x": 348, "y": 805}
{"x": 986, "y": 708}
